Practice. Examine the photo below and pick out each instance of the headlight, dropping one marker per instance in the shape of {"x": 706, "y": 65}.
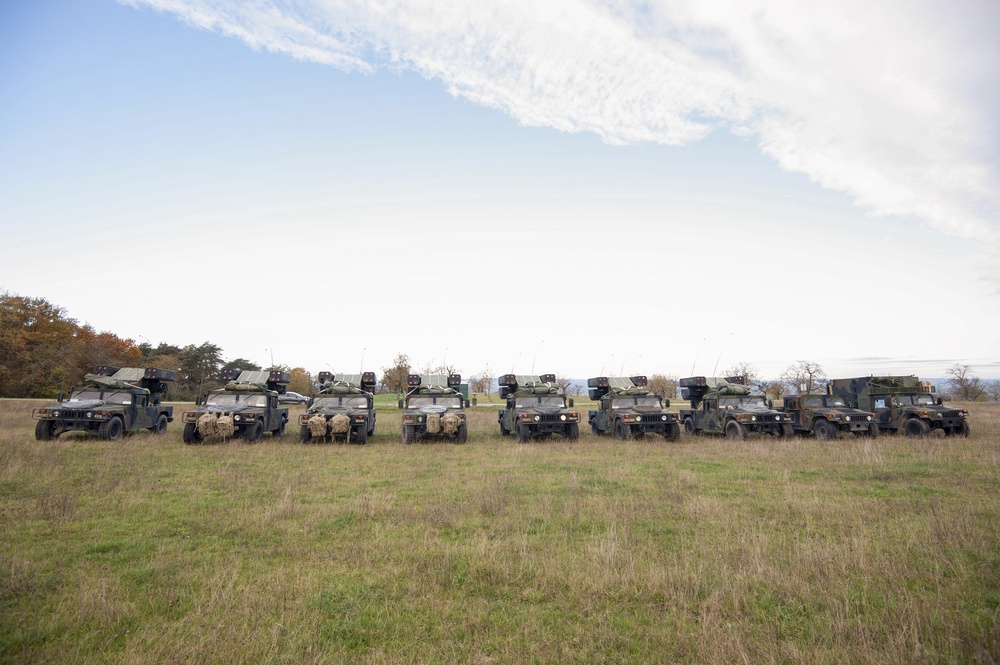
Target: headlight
{"x": 961, "y": 415}
{"x": 847, "y": 418}
{"x": 663, "y": 417}
{"x": 90, "y": 414}
{"x": 869, "y": 417}
{"x": 777, "y": 418}
{"x": 420, "y": 419}
{"x": 237, "y": 417}
{"x": 753, "y": 418}
{"x": 537, "y": 418}
{"x": 55, "y": 413}
{"x": 562, "y": 417}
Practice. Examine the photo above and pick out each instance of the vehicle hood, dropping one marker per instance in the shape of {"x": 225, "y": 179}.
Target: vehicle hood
{"x": 82, "y": 404}
{"x": 542, "y": 408}
{"x": 334, "y": 410}
{"x": 231, "y": 408}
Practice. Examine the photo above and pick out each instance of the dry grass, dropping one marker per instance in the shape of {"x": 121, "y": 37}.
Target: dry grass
{"x": 700, "y": 551}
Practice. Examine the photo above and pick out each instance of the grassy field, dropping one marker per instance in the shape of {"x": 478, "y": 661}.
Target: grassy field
{"x": 147, "y": 550}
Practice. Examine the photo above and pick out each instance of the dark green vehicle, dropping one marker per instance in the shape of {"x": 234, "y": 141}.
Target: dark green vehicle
{"x": 727, "y": 406}
{"x": 113, "y": 402}
{"x": 902, "y": 403}
{"x": 246, "y": 407}
{"x": 628, "y": 410}
{"x": 828, "y": 416}
{"x": 342, "y": 410}
{"x": 433, "y": 409}
{"x": 536, "y": 408}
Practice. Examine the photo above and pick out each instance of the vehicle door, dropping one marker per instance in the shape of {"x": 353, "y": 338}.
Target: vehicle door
{"x": 137, "y": 414}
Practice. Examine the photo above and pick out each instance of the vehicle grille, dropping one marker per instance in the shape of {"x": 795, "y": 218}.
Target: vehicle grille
{"x": 767, "y": 419}
{"x": 550, "y": 418}
{"x": 858, "y": 419}
{"x": 950, "y": 414}
{"x": 70, "y": 414}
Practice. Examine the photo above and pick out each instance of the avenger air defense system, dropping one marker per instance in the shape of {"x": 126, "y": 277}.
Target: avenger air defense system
{"x": 536, "y": 408}
{"x": 629, "y": 410}
{"x": 114, "y": 401}
{"x": 728, "y": 406}
{"x": 342, "y": 409}
{"x": 433, "y": 408}
{"x": 828, "y": 416}
{"x": 901, "y": 403}
{"x": 247, "y": 407}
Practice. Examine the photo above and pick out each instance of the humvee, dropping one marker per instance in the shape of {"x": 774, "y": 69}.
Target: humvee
{"x": 827, "y": 416}
{"x": 536, "y": 408}
{"x": 433, "y": 408}
{"x": 727, "y": 406}
{"x": 628, "y": 410}
{"x": 902, "y": 403}
{"x": 246, "y": 407}
{"x": 342, "y": 409}
{"x": 115, "y": 400}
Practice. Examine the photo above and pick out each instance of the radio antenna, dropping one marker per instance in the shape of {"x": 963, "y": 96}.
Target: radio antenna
{"x": 697, "y": 353}
{"x": 720, "y": 354}
{"x": 606, "y": 362}
{"x": 362, "y": 370}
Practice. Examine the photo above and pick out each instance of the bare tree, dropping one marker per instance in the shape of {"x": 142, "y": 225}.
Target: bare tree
{"x": 965, "y": 385}
{"x": 804, "y": 376}
{"x": 664, "y": 385}
{"x": 773, "y": 389}
{"x": 394, "y": 378}
{"x": 749, "y": 372}
{"x": 482, "y": 382}
{"x": 993, "y": 389}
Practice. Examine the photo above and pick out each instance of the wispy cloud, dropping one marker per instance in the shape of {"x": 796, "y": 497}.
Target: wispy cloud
{"x": 893, "y": 105}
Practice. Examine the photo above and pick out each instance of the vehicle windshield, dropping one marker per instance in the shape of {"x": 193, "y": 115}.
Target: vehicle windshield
{"x": 749, "y": 402}
{"x": 529, "y": 401}
{"x": 84, "y": 395}
{"x": 629, "y": 402}
{"x": 812, "y": 402}
{"x": 356, "y": 402}
{"x": 835, "y": 401}
{"x": 450, "y": 401}
{"x": 907, "y": 400}
{"x": 222, "y": 399}
{"x": 256, "y": 400}
{"x": 113, "y": 397}
{"x": 924, "y": 399}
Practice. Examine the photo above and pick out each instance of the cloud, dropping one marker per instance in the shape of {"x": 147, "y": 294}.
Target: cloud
{"x": 893, "y": 105}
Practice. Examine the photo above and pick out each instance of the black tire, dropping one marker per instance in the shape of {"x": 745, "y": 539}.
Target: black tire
{"x": 522, "y": 434}
{"x": 963, "y": 429}
{"x": 191, "y": 434}
{"x": 255, "y": 432}
{"x": 735, "y": 430}
{"x": 873, "y": 430}
{"x": 371, "y": 432}
{"x": 673, "y": 432}
{"x": 111, "y": 429}
{"x": 281, "y": 428}
{"x": 361, "y": 436}
{"x": 787, "y": 431}
{"x": 503, "y": 430}
{"x": 593, "y": 428}
{"x": 305, "y": 434}
{"x": 160, "y": 427}
{"x": 915, "y": 428}
{"x": 409, "y": 436}
{"x": 43, "y": 430}
{"x": 573, "y": 432}
{"x": 824, "y": 430}
{"x": 689, "y": 427}
{"x": 623, "y": 432}
{"x": 463, "y": 433}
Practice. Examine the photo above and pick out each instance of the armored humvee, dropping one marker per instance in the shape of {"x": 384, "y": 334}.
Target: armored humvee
{"x": 246, "y": 407}
{"x": 901, "y": 403}
{"x": 342, "y": 409}
{"x": 113, "y": 401}
{"x": 628, "y": 409}
{"x": 727, "y": 406}
{"x": 826, "y": 416}
{"x": 536, "y": 408}
{"x": 434, "y": 408}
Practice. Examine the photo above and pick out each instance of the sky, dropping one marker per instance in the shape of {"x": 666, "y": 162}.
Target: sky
{"x": 581, "y": 187}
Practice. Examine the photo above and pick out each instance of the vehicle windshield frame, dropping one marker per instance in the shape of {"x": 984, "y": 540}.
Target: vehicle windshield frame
{"x": 531, "y": 401}
{"x": 742, "y": 401}
{"x": 338, "y": 401}
{"x": 632, "y": 401}
{"x": 448, "y": 401}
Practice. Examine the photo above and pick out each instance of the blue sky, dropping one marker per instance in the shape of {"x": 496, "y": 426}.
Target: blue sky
{"x": 578, "y": 186}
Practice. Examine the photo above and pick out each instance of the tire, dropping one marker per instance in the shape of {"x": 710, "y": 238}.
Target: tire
{"x": 160, "y": 428}
{"x": 522, "y": 434}
{"x": 787, "y": 431}
{"x": 915, "y": 428}
{"x": 673, "y": 432}
{"x": 623, "y": 432}
{"x": 463, "y": 433}
{"x": 963, "y": 429}
{"x": 735, "y": 430}
{"x": 689, "y": 427}
{"x": 371, "y": 432}
{"x": 255, "y": 432}
{"x": 873, "y": 430}
{"x": 824, "y": 430}
{"x": 408, "y": 434}
{"x": 503, "y": 430}
{"x": 191, "y": 434}
{"x": 573, "y": 432}
{"x": 305, "y": 435}
{"x": 594, "y": 430}
{"x": 281, "y": 428}
{"x": 111, "y": 429}
{"x": 43, "y": 430}
{"x": 361, "y": 436}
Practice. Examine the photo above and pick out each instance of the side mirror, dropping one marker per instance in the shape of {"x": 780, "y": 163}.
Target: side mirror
{"x": 770, "y": 403}
{"x": 59, "y": 397}
{"x": 666, "y": 404}
{"x": 939, "y": 401}
{"x": 466, "y": 404}
{"x": 571, "y": 402}
{"x": 400, "y": 404}
{"x": 198, "y": 400}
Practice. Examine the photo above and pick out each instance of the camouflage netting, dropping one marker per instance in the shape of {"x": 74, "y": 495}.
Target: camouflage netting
{"x": 340, "y": 424}
{"x": 225, "y": 426}
{"x": 317, "y": 426}
{"x": 450, "y": 423}
{"x": 340, "y": 388}
{"x": 726, "y": 388}
{"x": 244, "y": 386}
{"x": 433, "y": 423}
{"x": 539, "y": 388}
{"x": 208, "y": 424}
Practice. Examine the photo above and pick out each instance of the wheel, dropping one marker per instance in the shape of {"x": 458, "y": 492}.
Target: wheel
{"x": 593, "y": 428}
{"x": 873, "y": 429}
{"x": 111, "y": 429}
{"x": 503, "y": 430}
{"x": 361, "y": 436}
{"x": 823, "y": 429}
{"x": 689, "y": 427}
{"x": 408, "y": 434}
{"x": 255, "y": 432}
{"x": 522, "y": 433}
{"x": 371, "y": 432}
{"x": 673, "y": 432}
{"x": 305, "y": 436}
{"x": 735, "y": 430}
{"x": 916, "y": 428}
{"x": 161, "y": 425}
{"x": 963, "y": 429}
{"x": 623, "y": 432}
{"x": 281, "y": 428}
{"x": 573, "y": 431}
{"x": 463, "y": 433}
{"x": 786, "y": 431}
{"x": 43, "y": 430}
{"x": 191, "y": 434}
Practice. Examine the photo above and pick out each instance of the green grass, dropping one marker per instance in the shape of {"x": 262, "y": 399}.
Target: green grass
{"x": 148, "y": 550}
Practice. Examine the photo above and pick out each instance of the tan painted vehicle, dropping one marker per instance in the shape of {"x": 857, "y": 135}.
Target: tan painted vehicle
{"x": 343, "y": 409}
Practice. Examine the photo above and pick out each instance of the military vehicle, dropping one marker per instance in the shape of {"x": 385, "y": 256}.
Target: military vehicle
{"x": 246, "y": 407}
{"x": 342, "y": 409}
{"x": 901, "y": 403}
{"x": 727, "y": 406}
{"x": 536, "y": 408}
{"x": 628, "y": 410}
{"x": 115, "y": 400}
{"x": 433, "y": 408}
{"x": 827, "y": 416}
